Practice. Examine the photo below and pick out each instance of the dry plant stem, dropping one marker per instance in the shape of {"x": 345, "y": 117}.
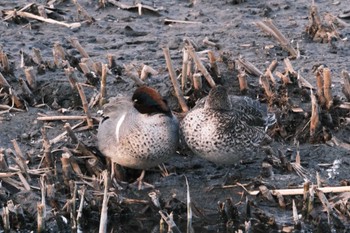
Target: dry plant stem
{"x": 3, "y": 162}
{"x": 206, "y": 41}
{"x": 249, "y": 67}
{"x": 47, "y": 149}
{"x": 30, "y": 76}
{"x": 268, "y": 27}
{"x": 58, "y": 51}
{"x": 72, "y": 77}
{"x": 146, "y": 70}
{"x": 104, "y": 210}
{"x": 6, "y": 219}
{"x": 319, "y": 84}
{"x": 3, "y": 81}
{"x": 5, "y": 62}
{"x": 73, "y": 205}
{"x": 325, "y": 203}
{"x": 111, "y": 61}
{"x": 60, "y": 118}
{"x": 75, "y": 42}
{"x": 303, "y": 82}
{"x": 189, "y": 209}
{"x": 174, "y": 81}
{"x": 71, "y": 133}
{"x": 41, "y": 10}
{"x": 20, "y": 160}
{"x": 327, "y": 83}
{"x": 314, "y": 121}
{"x": 26, "y": 89}
{"x": 80, "y": 210}
{"x": 103, "y": 91}
{"x": 295, "y": 214}
{"x": 200, "y": 66}
{"x": 132, "y": 73}
{"x": 168, "y": 218}
{"x": 300, "y": 191}
{"x": 66, "y": 168}
{"x": 37, "y": 56}
{"x": 83, "y": 12}
{"x": 85, "y": 105}
{"x": 213, "y": 64}
{"x": 197, "y": 81}
{"x": 97, "y": 68}
{"x": 24, "y": 181}
{"x": 346, "y": 86}
{"x": 270, "y": 69}
{"x": 242, "y": 79}
{"x": 266, "y": 85}
{"x": 184, "y": 68}
{"x": 52, "y": 21}
{"x": 41, "y": 218}
{"x": 180, "y": 21}
{"x": 84, "y": 67}
{"x": 285, "y": 79}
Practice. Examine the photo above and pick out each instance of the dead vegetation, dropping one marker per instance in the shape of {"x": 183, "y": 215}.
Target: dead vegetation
{"x": 65, "y": 185}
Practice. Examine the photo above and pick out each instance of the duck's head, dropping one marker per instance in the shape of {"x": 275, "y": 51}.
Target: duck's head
{"x": 148, "y": 101}
{"x": 218, "y": 99}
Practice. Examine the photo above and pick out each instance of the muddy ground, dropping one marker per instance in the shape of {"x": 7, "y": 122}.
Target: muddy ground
{"x": 139, "y": 39}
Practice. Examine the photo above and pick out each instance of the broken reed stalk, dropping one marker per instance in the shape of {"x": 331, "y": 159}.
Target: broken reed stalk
{"x": 51, "y": 21}
{"x": 174, "y": 81}
{"x": 6, "y": 219}
{"x": 197, "y": 81}
{"x": 189, "y": 209}
{"x": 60, "y": 118}
{"x": 80, "y": 209}
{"x": 42, "y": 12}
{"x": 146, "y": 71}
{"x": 66, "y": 168}
{"x": 72, "y": 77}
{"x": 168, "y": 218}
{"x": 132, "y": 73}
{"x": 242, "y": 79}
{"x": 37, "y": 58}
{"x": 300, "y": 191}
{"x": 270, "y": 69}
{"x": 200, "y": 65}
{"x": 295, "y": 214}
{"x": 103, "y": 91}
{"x": 346, "y": 86}
{"x": 41, "y": 218}
{"x": 47, "y": 149}
{"x": 213, "y": 64}
{"x": 26, "y": 90}
{"x": 319, "y": 84}
{"x": 16, "y": 101}
{"x": 325, "y": 203}
{"x": 75, "y": 42}
{"x": 314, "y": 121}
{"x": 104, "y": 210}
{"x": 5, "y": 62}
{"x": 185, "y": 58}
{"x": 20, "y": 160}
{"x": 70, "y": 133}
{"x": 85, "y": 105}
{"x": 249, "y": 67}
{"x": 285, "y": 79}
{"x": 207, "y": 42}
{"x": 83, "y": 12}
{"x": 266, "y": 85}
{"x": 72, "y": 201}
{"x": 327, "y": 85}
{"x": 268, "y": 27}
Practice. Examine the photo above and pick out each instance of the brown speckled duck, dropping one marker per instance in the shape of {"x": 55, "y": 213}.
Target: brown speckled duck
{"x": 225, "y": 129}
{"x": 139, "y": 132}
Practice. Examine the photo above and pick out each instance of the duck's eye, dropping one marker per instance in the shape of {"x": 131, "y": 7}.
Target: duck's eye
{"x": 135, "y": 100}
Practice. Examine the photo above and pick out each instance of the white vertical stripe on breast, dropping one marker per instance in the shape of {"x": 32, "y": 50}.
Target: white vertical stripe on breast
{"x": 119, "y": 123}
